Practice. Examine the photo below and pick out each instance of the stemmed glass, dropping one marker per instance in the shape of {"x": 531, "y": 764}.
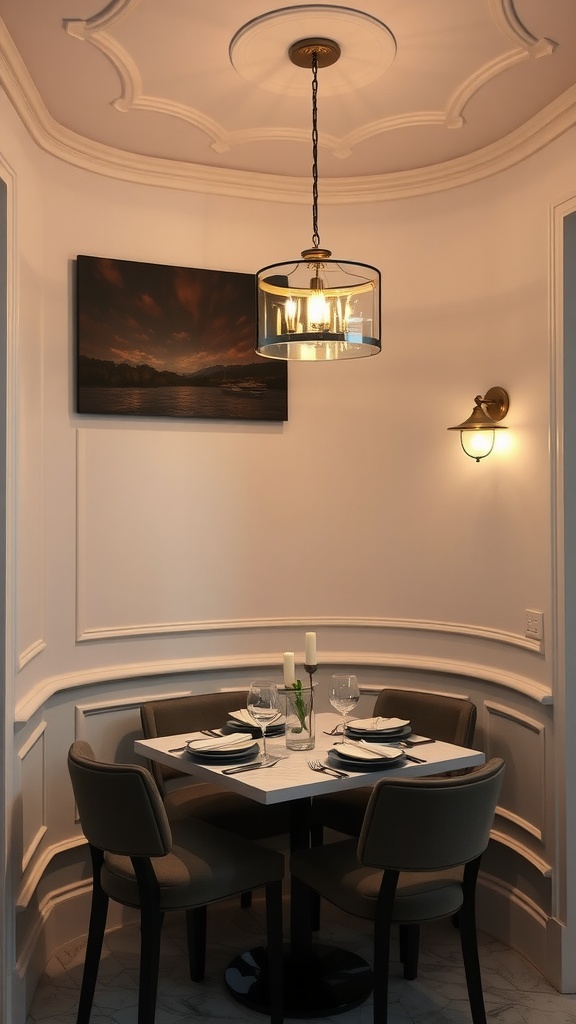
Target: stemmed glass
{"x": 263, "y": 706}
{"x": 344, "y": 695}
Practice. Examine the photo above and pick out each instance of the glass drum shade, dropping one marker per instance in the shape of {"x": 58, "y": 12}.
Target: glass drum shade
{"x": 318, "y": 310}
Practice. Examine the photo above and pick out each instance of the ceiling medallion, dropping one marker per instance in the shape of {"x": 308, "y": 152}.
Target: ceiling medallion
{"x": 260, "y": 50}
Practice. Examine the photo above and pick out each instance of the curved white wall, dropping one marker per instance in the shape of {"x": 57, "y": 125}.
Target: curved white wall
{"x": 153, "y": 556}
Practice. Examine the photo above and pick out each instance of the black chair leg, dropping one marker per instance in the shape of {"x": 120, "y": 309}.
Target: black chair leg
{"x": 151, "y": 929}
{"x": 409, "y": 938}
{"x": 246, "y": 900}
{"x": 469, "y": 943}
{"x": 98, "y": 914}
{"x": 196, "y": 936}
{"x": 381, "y": 970}
{"x": 275, "y": 951}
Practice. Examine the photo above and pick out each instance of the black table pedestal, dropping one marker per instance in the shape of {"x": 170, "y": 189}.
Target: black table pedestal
{"x": 326, "y": 981}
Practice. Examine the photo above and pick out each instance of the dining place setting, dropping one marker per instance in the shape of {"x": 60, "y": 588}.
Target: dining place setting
{"x": 272, "y": 712}
{"x": 369, "y": 744}
{"x": 237, "y": 744}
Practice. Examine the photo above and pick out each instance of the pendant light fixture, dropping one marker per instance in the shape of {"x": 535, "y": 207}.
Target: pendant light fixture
{"x": 317, "y": 308}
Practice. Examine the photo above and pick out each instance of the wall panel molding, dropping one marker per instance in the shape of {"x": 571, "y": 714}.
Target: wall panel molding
{"x": 30, "y": 653}
{"x": 47, "y": 688}
{"x": 523, "y": 809}
{"x": 32, "y": 757}
{"x": 135, "y": 630}
{"x": 542, "y": 866}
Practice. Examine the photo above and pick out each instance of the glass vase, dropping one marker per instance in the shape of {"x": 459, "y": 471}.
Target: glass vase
{"x": 300, "y": 718}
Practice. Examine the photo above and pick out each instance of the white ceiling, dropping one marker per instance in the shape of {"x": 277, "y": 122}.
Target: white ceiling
{"x": 205, "y": 92}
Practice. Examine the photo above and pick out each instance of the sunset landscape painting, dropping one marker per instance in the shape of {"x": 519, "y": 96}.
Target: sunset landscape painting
{"x": 157, "y": 340}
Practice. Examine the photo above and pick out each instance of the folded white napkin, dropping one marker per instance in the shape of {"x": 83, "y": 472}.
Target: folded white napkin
{"x": 368, "y": 752}
{"x": 245, "y": 717}
{"x": 379, "y": 724}
{"x": 216, "y": 743}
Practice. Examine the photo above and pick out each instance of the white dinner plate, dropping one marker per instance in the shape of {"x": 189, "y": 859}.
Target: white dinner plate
{"x": 348, "y": 764}
{"x": 352, "y": 753}
{"x": 228, "y": 748}
{"x": 378, "y": 724}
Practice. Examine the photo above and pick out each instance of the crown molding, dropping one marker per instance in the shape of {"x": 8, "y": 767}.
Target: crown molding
{"x": 58, "y": 141}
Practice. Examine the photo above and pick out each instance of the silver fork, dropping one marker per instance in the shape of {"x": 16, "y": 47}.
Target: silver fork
{"x": 317, "y": 766}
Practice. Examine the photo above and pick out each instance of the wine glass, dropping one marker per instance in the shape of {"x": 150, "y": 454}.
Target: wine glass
{"x": 344, "y": 695}
{"x": 263, "y": 706}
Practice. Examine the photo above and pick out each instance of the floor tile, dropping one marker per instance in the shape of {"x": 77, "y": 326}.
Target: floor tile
{"x": 515, "y": 993}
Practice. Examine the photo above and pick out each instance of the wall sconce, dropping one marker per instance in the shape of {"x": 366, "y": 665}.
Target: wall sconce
{"x": 478, "y": 432}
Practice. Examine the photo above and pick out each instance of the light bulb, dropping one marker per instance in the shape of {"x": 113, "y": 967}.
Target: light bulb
{"x": 318, "y": 311}
{"x": 477, "y": 443}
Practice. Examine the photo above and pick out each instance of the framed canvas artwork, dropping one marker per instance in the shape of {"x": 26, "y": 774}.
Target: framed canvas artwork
{"x": 156, "y": 340}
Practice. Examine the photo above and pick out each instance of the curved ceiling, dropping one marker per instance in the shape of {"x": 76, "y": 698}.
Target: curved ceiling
{"x": 425, "y": 95}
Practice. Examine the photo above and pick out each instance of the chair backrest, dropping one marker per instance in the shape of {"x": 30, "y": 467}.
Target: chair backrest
{"x": 120, "y": 808}
{"x": 428, "y": 823}
{"x": 452, "y": 719}
{"x": 175, "y": 715}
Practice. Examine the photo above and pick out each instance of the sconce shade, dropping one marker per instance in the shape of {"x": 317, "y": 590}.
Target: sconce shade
{"x": 317, "y": 308}
{"x": 477, "y": 433}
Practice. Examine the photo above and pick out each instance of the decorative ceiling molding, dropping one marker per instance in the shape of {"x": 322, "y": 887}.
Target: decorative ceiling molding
{"x": 506, "y": 18}
{"x": 112, "y": 12}
{"x": 64, "y": 144}
{"x": 132, "y": 96}
{"x": 465, "y": 92}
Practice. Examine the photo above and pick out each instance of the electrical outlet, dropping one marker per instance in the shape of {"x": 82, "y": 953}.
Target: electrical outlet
{"x": 534, "y": 625}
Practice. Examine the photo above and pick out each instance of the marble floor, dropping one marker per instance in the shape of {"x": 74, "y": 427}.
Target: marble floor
{"x": 515, "y": 993}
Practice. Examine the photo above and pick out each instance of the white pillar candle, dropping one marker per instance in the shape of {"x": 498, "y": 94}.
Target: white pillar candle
{"x": 289, "y": 671}
{"x": 310, "y": 649}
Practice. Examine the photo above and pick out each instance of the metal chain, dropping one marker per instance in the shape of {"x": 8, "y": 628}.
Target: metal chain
{"x": 315, "y": 235}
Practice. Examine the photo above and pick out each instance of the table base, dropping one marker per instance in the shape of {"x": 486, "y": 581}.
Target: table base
{"x": 328, "y": 981}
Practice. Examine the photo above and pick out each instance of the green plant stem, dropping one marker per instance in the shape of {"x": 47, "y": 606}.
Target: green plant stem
{"x": 300, "y": 705}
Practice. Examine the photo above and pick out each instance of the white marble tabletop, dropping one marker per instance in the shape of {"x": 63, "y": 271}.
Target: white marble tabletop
{"x": 291, "y": 778}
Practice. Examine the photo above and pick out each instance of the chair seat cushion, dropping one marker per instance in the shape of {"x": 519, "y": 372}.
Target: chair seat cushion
{"x": 335, "y": 872}
{"x": 227, "y": 811}
{"x": 205, "y": 864}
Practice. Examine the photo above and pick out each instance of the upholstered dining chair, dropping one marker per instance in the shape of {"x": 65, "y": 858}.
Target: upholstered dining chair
{"x": 416, "y": 860}
{"x": 139, "y": 861}
{"x": 439, "y": 716}
{"x": 184, "y": 797}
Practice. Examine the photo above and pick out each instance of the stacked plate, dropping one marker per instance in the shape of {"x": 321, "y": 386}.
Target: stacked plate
{"x": 383, "y": 730}
{"x": 240, "y": 721}
{"x": 362, "y": 756}
{"x": 223, "y": 749}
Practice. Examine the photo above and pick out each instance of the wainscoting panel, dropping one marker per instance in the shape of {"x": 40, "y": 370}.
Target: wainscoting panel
{"x": 32, "y": 757}
{"x": 521, "y": 741}
{"x": 110, "y": 727}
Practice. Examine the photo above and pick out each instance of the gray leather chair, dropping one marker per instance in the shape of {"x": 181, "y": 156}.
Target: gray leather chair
{"x": 417, "y": 859}
{"x": 184, "y": 797}
{"x": 140, "y": 861}
{"x": 441, "y": 717}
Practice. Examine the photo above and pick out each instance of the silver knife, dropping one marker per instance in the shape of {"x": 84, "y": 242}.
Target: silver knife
{"x": 249, "y": 767}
